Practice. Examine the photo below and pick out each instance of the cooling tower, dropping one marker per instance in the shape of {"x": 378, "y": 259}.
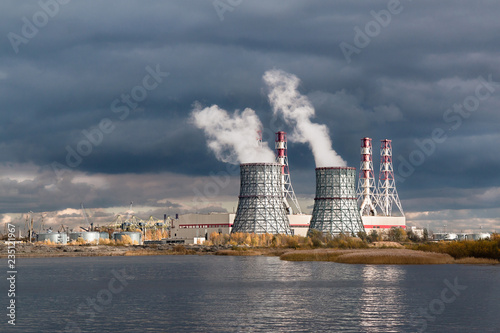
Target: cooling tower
{"x": 335, "y": 205}
{"x": 261, "y": 207}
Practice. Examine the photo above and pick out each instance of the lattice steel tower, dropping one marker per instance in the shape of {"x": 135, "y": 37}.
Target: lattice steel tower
{"x": 387, "y": 193}
{"x": 282, "y": 159}
{"x": 335, "y": 207}
{"x": 367, "y": 192}
{"x": 261, "y": 207}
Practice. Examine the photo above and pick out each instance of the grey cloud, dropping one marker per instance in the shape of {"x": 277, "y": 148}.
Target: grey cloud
{"x": 64, "y": 80}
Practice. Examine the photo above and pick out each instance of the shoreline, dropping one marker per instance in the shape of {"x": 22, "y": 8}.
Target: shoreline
{"x": 372, "y": 255}
{"x": 382, "y": 256}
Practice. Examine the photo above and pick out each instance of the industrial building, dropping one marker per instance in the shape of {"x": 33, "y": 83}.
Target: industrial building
{"x": 266, "y": 198}
{"x": 189, "y": 227}
{"x": 267, "y": 202}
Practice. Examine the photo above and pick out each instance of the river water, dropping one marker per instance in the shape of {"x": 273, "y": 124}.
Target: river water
{"x": 249, "y": 294}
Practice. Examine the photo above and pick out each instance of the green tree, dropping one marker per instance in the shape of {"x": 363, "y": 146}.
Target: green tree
{"x": 397, "y": 234}
{"x": 363, "y": 236}
{"x": 374, "y": 236}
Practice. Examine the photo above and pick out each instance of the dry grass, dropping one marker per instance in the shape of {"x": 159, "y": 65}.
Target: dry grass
{"x": 313, "y": 255}
{"x": 486, "y": 248}
{"x": 147, "y": 252}
{"x": 238, "y": 253}
{"x": 386, "y": 244}
{"x": 372, "y": 256}
{"x": 477, "y": 261}
{"x": 47, "y": 242}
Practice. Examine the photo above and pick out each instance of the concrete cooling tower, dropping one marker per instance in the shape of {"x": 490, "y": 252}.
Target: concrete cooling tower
{"x": 335, "y": 205}
{"x": 261, "y": 207}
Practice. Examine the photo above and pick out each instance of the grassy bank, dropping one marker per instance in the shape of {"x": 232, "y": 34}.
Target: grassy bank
{"x": 486, "y": 248}
{"x": 237, "y": 251}
{"x": 316, "y": 240}
{"x": 370, "y": 256}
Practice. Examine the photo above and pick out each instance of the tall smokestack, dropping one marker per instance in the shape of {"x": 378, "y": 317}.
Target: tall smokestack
{"x": 282, "y": 159}
{"x": 367, "y": 195}
{"x": 335, "y": 207}
{"x": 261, "y": 206}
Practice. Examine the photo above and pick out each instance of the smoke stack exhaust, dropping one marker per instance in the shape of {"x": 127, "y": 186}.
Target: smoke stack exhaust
{"x": 261, "y": 207}
{"x": 335, "y": 205}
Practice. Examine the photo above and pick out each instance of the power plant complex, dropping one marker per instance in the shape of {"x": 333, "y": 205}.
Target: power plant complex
{"x": 267, "y": 204}
{"x": 266, "y": 199}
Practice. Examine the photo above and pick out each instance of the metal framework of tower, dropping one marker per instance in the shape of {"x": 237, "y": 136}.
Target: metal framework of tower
{"x": 387, "y": 193}
{"x": 367, "y": 192}
{"x": 282, "y": 159}
{"x": 335, "y": 205}
{"x": 261, "y": 207}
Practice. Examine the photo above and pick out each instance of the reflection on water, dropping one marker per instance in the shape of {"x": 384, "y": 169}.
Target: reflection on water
{"x": 248, "y": 294}
{"x": 383, "y": 302}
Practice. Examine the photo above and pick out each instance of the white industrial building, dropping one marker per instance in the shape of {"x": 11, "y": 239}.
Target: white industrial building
{"x": 189, "y": 227}
{"x": 382, "y": 223}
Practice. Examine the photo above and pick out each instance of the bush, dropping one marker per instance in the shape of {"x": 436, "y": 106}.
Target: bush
{"x": 396, "y": 234}
{"x": 486, "y": 248}
{"x": 316, "y": 237}
{"x": 125, "y": 240}
{"x": 413, "y": 236}
{"x": 363, "y": 236}
{"x": 374, "y": 236}
{"x": 292, "y": 242}
{"x": 106, "y": 241}
{"x": 179, "y": 249}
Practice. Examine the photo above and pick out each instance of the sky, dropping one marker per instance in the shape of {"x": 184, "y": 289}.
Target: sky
{"x": 96, "y": 101}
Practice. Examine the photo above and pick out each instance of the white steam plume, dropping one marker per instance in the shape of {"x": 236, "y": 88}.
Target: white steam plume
{"x": 233, "y": 138}
{"x": 297, "y": 112}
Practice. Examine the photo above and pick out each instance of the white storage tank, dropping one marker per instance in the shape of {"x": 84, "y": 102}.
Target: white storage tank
{"x": 451, "y": 236}
{"x": 480, "y": 236}
{"x": 136, "y": 237}
{"x": 54, "y": 237}
{"x": 87, "y": 236}
{"x": 104, "y": 235}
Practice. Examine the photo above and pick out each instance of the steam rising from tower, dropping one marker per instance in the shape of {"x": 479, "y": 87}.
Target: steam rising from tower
{"x": 297, "y": 112}
{"x": 233, "y": 138}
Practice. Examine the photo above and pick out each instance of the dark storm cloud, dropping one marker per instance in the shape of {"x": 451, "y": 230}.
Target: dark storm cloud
{"x": 427, "y": 58}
